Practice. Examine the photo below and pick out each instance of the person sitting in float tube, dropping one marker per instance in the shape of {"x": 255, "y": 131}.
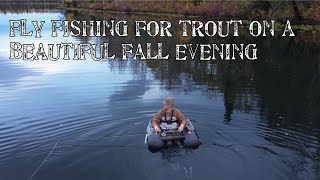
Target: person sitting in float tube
{"x": 169, "y": 114}
{"x": 170, "y": 120}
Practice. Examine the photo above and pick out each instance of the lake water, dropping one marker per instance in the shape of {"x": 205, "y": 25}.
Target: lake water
{"x": 86, "y": 119}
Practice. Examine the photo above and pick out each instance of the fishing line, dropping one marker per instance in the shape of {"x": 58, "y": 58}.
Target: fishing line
{"x": 44, "y": 160}
{"x": 143, "y": 134}
{"x": 306, "y": 149}
{"x": 108, "y": 137}
{"x": 233, "y": 131}
{"x": 209, "y": 131}
{"x": 241, "y": 131}
{"x": 107, "y": 146}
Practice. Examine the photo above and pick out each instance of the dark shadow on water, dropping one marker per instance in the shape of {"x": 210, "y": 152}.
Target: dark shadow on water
{"x": 174, "y": 152}
{"x": 171, "y": 150}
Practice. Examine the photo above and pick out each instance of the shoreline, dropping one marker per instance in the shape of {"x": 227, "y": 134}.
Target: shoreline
{"x": 124, "y": 8}
{"x": 295, "y": 26}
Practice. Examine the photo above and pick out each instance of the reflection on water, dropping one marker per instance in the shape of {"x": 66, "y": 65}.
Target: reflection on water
{"x": 256, "y": 119}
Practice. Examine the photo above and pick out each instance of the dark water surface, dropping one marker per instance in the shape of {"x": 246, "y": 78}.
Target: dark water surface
{"x": 256, "y": 119}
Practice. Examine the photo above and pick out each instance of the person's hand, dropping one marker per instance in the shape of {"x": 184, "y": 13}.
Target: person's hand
{"x": 181, "y": 127}
{"x": 157, "y": 129}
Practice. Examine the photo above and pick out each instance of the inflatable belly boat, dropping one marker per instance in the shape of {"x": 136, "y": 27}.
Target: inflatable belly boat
{"x": 169, "y": 135}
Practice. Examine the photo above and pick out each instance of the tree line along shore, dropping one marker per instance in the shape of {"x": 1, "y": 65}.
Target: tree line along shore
{"x": 299, "y": 12}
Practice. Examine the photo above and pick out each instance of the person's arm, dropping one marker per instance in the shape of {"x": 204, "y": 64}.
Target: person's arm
{"x": 156, "y": 121}
{"x": 182, "y": 120}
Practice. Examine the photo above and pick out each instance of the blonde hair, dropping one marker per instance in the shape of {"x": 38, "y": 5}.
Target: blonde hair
{"x": 169, "y": 100}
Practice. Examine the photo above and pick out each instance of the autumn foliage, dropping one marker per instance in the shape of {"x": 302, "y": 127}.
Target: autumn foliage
{"x": 299, "y": 11}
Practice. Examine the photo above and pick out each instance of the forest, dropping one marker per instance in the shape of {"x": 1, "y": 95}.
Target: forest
{"x": 299, "y": 11}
